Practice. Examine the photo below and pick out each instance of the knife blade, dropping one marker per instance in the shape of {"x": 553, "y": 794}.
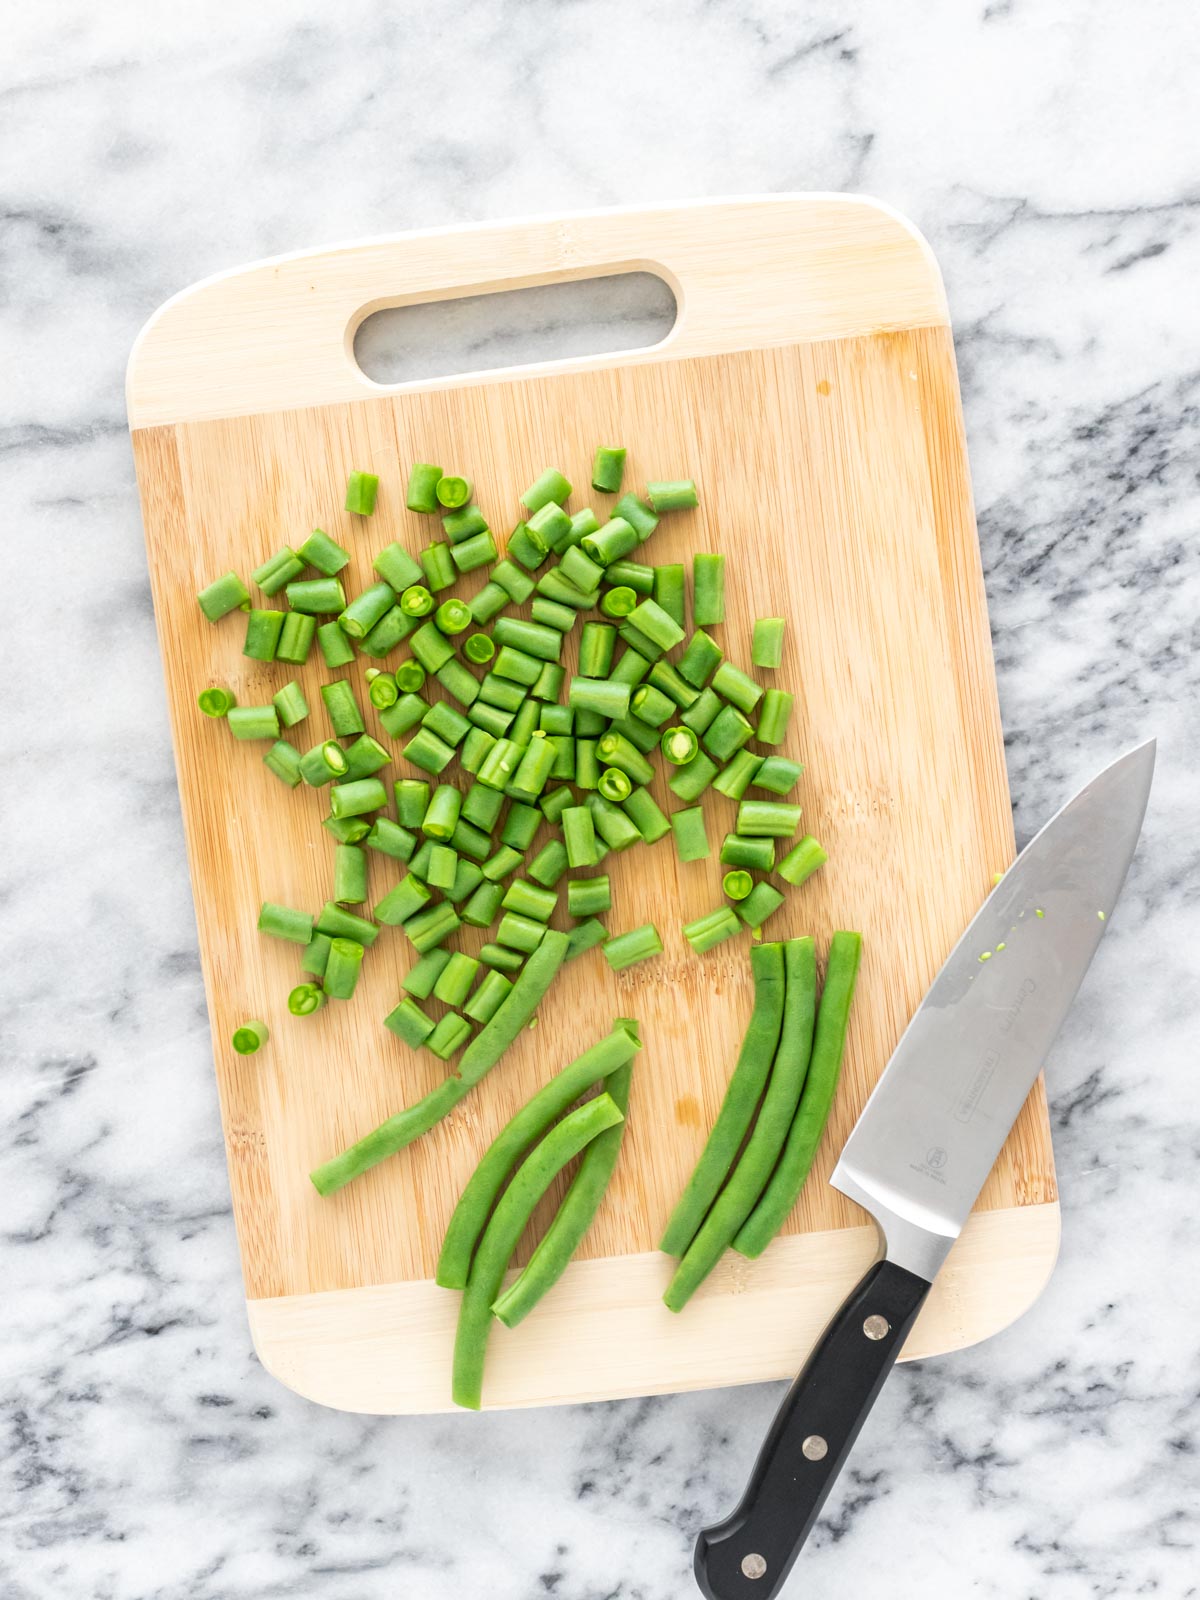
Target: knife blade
{"x": 922, "y": 1149}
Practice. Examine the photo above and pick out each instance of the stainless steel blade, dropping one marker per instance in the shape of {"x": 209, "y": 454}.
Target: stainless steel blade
{"x": 928, "y": 1136}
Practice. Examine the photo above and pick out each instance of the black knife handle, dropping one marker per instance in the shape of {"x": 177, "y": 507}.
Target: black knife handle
{"x": 748, "y": 1556}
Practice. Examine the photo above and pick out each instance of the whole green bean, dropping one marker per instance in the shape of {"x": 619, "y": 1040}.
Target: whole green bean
{"x": 741, "y": 1099}
{"x": 529, "y": 1124}
{"x": 574, "y": 1216}
{"x": 749, "y": 1177}
{"x": 808, "y": 1124}
{"x": 508, "y": 1222}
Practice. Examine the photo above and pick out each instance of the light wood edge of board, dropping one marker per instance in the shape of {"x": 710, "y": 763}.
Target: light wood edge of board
{"x": 278, "y": 335}
{"x": 603, "y": 1333}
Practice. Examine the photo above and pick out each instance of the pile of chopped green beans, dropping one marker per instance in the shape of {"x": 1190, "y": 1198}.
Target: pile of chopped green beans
{"x": 517, "y": 772}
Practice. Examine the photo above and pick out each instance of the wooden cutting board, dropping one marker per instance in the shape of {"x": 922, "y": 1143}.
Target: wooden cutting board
{"x": 809, "y": 386}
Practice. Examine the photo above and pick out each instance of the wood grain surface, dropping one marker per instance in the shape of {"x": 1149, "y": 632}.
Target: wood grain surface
{"x": 832, "y": 474}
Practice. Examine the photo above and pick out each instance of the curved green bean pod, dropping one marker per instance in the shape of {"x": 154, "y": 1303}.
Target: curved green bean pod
{"x": 574, "y": 1217}
{"x": 741, "y": 1099}
{"x": 749, "y": 1178}
{"x": 804, "y": 1135}
{"x": 529, "y": 1184}
{"x": 530, "y": 1123}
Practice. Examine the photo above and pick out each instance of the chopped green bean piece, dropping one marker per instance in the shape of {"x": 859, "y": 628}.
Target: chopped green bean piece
{"x": 774, "y": 717}
{"x": 738, "y": 775}
{"x": 422, "y": 487}
{"x": 549, "y": 486}
{"x": 253, "y": 722}
{"x": 409, "y": 1022}
{"x": 767, "y": 649}
{"x": 262, "y": 634}
{"x": 588, "y": 897}
{"x": 283, "y": 759}
{"x": 548, "y": 866}
{"x": 691, "y": 841}
{"x": 225, "y": 594}
{"x": 708, "y": 590}
{"x": 401, "y": 718}
{"x": 250, "y": 1037}
{"x": 455, "y": 979}
{"x": 608, "y": 468}
{"x": 689, "y": 783}
{"x": 633, "y": 575}
{"x": 361, "y": 490}
{"x": 493, "y": 990}
{"x": 679, "y": 746}
{"x": 712, "y": 929}
{"x": 349, "y": 875}
{"x": 337, "y": 649}
{"x": 586, "y": 936}
{"x": 399, "y": 570}
{"x": 216, "y": 701}
{"x": 655, "y": 624}
{"x": 451, "y": 1033}
{"x": 421, "y": 977}
{"x": 342, "y": 968}
{"x": 727, "y": 733}
{"x": 758, "y": 853}
{"x": 767, "y": 819}
{"x": 500, "y": 958}
{"x": 463, "y": 524}
{"x": 646, "y": 815}
{"x": 802, "y": 860}
{"x": 295, "y": 638}
{"x": 778, "y": 774}
{"x": 638, "y": 514}
{"x": 490, "y": 600}
{"x": 437, "y": 566}
{"x": 625, "y": 949}
{"x": 341, "y": 924}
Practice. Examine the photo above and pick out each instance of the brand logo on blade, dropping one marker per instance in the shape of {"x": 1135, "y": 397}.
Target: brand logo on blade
{"x": 935, "y": 1159}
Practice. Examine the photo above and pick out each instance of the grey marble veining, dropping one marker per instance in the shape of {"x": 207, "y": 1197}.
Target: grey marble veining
{"x": 1049, "y": 153}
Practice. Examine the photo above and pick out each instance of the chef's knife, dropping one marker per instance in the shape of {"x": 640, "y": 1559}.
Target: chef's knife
{"x": 920, "y": 1152}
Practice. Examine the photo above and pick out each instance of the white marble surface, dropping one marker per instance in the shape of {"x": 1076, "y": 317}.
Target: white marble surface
{"x": 1049, "y": 152}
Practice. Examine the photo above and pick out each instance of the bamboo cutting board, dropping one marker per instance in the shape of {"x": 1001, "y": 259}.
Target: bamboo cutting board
{"x": 809, "y": 386}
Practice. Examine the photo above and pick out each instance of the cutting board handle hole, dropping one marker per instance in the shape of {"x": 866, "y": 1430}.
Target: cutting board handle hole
{"x": 515, "y": 327}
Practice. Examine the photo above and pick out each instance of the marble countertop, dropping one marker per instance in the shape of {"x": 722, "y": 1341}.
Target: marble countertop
{"x": 1048, "y": 152}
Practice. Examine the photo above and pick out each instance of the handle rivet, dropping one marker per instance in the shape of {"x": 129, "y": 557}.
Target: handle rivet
{"x": 876, "y": 1327}
{"x": 753, "y": 1565}
{"x": 815, "y": 1448}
